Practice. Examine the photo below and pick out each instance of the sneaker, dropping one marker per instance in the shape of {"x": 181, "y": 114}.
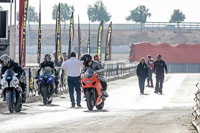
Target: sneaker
{"x": 141, "y": 93}
{"x": 156, "y": 92}
{"x": 73, "y": 106}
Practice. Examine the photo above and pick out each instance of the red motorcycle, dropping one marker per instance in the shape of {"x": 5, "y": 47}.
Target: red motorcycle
{"x": 92, "y": 89}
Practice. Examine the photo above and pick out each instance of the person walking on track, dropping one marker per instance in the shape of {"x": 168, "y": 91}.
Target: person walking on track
{"x": 142, "y": 73}
{"x": 73, "y": 67}
{"x": 150, "y": 64}
{"x": 159, "y": 68}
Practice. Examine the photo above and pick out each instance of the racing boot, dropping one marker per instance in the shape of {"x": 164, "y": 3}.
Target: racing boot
{"x": 56, "y": 87}
{"x": 105, "y": 94}
{"x": 3, "y": 95}
{"x": 23, "y": 97}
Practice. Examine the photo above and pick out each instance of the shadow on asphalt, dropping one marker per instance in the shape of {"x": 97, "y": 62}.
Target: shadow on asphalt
{"x": 49, "y": 105}
{"x": 145, "y": 94}
{"x": 15, "y": 113}
{"x": 62, "y": 97}
{"x": 96, "y": 111}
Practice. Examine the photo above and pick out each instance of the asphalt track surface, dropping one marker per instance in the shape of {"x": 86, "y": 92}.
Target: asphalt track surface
{"x": 125, "y": 111}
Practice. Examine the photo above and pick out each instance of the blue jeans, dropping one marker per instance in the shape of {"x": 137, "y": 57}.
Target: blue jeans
{"x": 141, "y": 84}
{"x": 74, "y": 82}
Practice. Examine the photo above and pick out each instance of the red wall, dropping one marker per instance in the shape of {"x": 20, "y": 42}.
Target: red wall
{"x": 181, "y": 53}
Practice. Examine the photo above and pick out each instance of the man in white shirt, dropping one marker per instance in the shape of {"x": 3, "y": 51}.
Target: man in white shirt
{"x": 73, "y": 67}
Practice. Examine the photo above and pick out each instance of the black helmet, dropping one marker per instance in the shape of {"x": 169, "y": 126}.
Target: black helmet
{"x": 47, "y": 57}
{"x": 86, "y": 58}
{"x": 5, "y": 59}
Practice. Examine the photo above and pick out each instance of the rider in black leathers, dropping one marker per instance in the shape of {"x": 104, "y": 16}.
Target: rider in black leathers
{"x": 7, "y": 63}
{"x": 48, "y": 63}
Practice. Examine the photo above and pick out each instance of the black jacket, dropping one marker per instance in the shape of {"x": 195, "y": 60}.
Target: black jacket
{"x": 46, "y": 64}
{"x": 95, "y": 66}
{"x": 159, "y": 67}
{"x": 142, "y": 70}
{"x": 15, "y": 67}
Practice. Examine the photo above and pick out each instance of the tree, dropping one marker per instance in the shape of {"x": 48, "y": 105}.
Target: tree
{"x": 32, "y": 16}
{"x": 139, "y": 14}
{"x": 65, "y": 12}
{"x": 98, "y": 12}
{"x": 177, "y": 17}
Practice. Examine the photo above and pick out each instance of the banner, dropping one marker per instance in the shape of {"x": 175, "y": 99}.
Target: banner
{"x": 71, "y": 36}
{"x": 99, "y": 39}
{"x": 23, "y": 10}
{"x": 88, "y": 43}
{"x": 39, "y": 36}
{"x": 108, "y": 43}
{"x": 79, "y": 39}
{"x": 58, "y": 59}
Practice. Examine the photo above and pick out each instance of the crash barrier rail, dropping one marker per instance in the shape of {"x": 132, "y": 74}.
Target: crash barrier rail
{"x": 112, "y": 70}
{"x": 196, "y": 108}
{"x": 119, "y": 69}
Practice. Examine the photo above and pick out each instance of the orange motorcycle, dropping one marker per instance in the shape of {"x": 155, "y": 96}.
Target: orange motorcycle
{"x": 92, "y": 89}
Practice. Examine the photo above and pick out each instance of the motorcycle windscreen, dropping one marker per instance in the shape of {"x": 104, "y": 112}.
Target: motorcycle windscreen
{"x": 47, "y": 72}
{"x": 9, "y": 74}
{"x": 89, "y": 73}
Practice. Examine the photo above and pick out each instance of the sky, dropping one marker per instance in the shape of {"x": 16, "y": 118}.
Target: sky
{"x": 161, "y": 10}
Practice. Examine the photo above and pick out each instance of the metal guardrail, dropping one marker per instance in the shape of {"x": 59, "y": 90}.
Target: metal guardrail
{"x": 196, "y": 108}
{"x": 119, "y": 69}
{"x": 112, "y": 70}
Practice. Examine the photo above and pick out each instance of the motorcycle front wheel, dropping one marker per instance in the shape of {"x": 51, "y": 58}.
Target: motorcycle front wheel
{"x": 45, "y": 96}
{"x": 89, "y": 100}
{"x": 10, "y": 101}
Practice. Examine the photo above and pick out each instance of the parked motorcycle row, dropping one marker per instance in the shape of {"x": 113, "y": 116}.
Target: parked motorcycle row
{"x": 90, "y": 83}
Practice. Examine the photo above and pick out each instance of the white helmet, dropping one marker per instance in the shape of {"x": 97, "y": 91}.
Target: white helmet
{"x": 4, "y": 60}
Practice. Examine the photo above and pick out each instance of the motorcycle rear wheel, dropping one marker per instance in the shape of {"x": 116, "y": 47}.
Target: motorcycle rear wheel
{"x": 100, "y": 106}
{"x": 18, "y": 106}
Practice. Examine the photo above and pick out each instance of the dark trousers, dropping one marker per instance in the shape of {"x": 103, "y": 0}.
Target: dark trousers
{"x": 159, "y": 82}
{"x": 141, "y": 84}
{"x": 74, "y": 82}
{"x": 104, "y": 85}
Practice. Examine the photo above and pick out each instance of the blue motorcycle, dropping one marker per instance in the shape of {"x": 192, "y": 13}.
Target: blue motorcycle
{"x": 46, "y": 84}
